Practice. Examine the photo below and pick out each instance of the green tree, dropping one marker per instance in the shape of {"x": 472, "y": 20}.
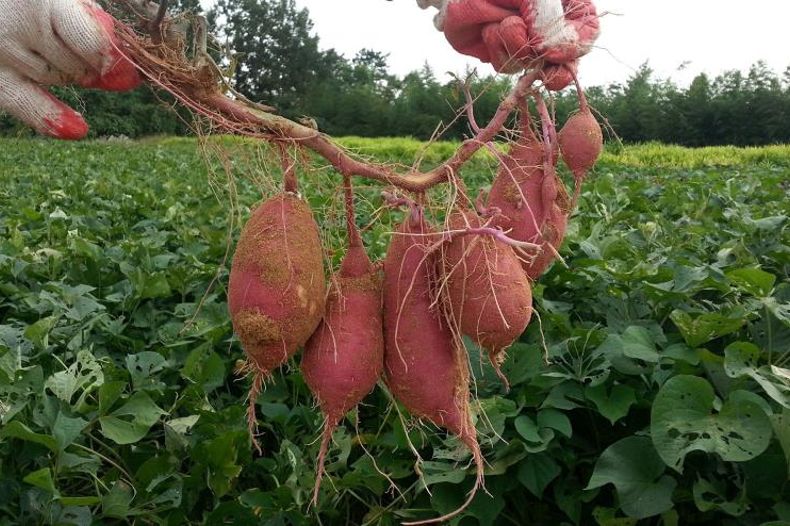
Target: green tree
{"x": 278, "y": 56}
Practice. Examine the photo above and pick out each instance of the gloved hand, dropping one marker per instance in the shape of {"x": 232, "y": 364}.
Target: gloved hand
{"x": 513, "y": 34}
{"x": 57, "y": 42}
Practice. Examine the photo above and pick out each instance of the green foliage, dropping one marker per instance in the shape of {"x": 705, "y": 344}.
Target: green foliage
{"x": 664, "y": 401}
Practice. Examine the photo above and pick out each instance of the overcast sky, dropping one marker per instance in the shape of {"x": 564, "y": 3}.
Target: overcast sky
{"x": 706, "y": 35}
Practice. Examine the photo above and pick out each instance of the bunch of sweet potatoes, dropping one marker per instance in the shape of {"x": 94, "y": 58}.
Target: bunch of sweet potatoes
{"x": 402, "y": 321}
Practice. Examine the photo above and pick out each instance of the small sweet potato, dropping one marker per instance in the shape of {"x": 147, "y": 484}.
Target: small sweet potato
{"x": 489, "y": 294}
{"x": 344, "y": 358}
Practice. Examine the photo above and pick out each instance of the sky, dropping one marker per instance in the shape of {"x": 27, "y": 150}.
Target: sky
{"x": 679, "y": 38}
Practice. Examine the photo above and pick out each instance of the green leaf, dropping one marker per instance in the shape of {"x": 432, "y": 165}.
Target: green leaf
{"x": 440, "y": 472}
{"x": 497, "y": 410}
{"x": 682, "y": 352}
{"x": 83, "y": 376}
{"x": 115, "y": 504}
{"x": 630, "y": 351}
{"x": 564, "y": 396}
{"x": 79, "y": 501}
{"x": 637, "y": 472}
{"x": 683, "y": 420}
{"x": 703, "y": 328}
{"x": 780, "y": 310}
{"x": 205, "y": 368}
{"x": 709, "y": 496}
{"x": 21, "y": 431}
{"x": 109, "y": 393}
{"x": 131, "y": 422}
{"x": 38, "y": 333}
{"x": 741, "y": 359}
{"x": 66, "y": 430}
{"x": 612, "y": 405}
{"x": 781, "y": 425}
{"x": 537, "y": 471}
{"x": 143, "y": 366}
{"x": 536, "y": 438}
{"x": 753, "y": 280}
{"x": 608, "y": 517}
{"x": 527, "y": 428}
{"x": 42, "y": 479}
{"x": 221, "y": 459}
{"x": 557, "y": 420}
{"x": 639, "y": 344}
{"x": 524, "y": 362}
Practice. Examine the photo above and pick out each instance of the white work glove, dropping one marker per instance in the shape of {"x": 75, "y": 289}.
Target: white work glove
{"x": 513, "y": 34}
{"x": 57, "y": 42}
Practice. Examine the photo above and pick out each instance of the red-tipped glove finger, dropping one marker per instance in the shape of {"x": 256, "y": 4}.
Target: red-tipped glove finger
{"x": 89, "y": 32}
{"x": 32, "y": 104}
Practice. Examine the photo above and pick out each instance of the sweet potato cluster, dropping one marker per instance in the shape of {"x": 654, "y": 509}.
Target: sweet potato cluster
{"x": 402, "y": 320}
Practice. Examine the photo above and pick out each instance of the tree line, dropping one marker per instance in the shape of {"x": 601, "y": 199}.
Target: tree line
{"x": 277, "y": 59}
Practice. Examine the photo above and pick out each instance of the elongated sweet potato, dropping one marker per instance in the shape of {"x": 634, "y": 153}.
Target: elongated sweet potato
{"x": 277, "y": 287}
{"x": 425, "y": 366}
{"x": 489, "y": 294}
{"x": 532, "y": 200}
{"x": 344, "y": 359}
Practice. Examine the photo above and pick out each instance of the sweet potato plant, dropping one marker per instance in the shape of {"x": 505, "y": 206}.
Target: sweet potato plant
{"x": 120, "y": 400}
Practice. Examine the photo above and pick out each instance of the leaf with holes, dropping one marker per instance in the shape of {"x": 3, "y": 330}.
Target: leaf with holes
{"x": 83, "y": 377}
{"x": 712, "y": 495}
{"x": 143, "y": 368}
{"x": 741, "y": 359}
{"x": 683, "y": 420}
{"x": 702, "y": 328}
{"x": 637, "y": 472}
{"x": 753, "y": 280}
{"x": 131, "y": 422}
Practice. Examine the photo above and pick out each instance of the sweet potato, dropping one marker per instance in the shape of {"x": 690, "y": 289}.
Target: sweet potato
{"x": 277, "y": 288}
{"x": 488, "y": 293}
{"x": 581, "y": 142}
{"x": 426, "y": 367}
{"x": 344, "y": 358}
{"x": 531, "y": 199}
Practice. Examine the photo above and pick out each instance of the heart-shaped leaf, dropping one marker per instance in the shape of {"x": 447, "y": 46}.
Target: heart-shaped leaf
{"x": 634, "y": 468}
{"x": 683, "y": 420}
{"x": 131, "y": 422}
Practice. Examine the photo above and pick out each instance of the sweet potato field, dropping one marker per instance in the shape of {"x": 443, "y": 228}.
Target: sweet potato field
{"x": 652, "y": 386}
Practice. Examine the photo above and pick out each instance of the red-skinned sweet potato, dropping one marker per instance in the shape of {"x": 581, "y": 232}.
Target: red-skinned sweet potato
{"x": 344, "y": 359}
{"x": 532, "y": 200}
{"x": 581, "y": 142}
{"x": 277, "y": 288}
{"x": 426, "y": 367}
{"x": 489, "y": 295}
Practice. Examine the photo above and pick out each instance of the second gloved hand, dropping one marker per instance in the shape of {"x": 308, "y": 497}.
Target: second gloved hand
{"x": 512, "y": 34}
{"x": 57, "y": 42}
